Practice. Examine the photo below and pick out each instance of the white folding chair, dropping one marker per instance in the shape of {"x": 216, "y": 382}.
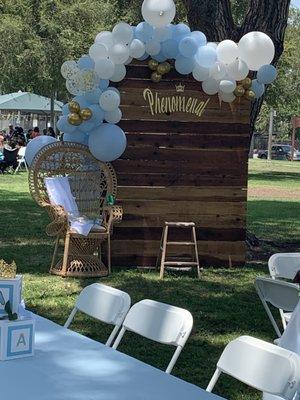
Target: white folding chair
{"x": 284, "y": 265}
{"x": 160, "y": 322}
{"x": 21, "y": 159}
{"x": 261, "y": 365}
{"x": 282, "y": 295}
{"x": 104, "y": 303}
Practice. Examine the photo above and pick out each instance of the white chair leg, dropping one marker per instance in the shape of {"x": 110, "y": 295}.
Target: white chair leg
{"x": 70, "y": 319}
{"x": 273, "y": 322}
{"x": 112, "y": 335}
{"x": 119, "y": 337}
{"x": 26, "y": 166}
{"x": 283, "y": 319}
{"x": 173, "y": 360}
{"x": 213, "y": 380}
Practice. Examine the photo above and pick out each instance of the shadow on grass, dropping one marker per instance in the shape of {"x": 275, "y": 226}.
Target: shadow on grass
{"x": 272, "y": 176}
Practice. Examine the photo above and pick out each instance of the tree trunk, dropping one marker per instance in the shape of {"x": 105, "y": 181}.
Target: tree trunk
{"x": 214, "y": 18}
{"x": 52, "y": 116}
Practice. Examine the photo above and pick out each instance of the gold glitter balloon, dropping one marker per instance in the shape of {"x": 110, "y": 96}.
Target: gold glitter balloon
{"x": 250, "y": 95}
{"x": 153, "y": 64}
{"x": 74, "y": 107}
{"x": 239, "y": 91}
{"x": 246, "y": 83}
{"x": 74, "y": 119}
{"x": 85, "y": 114}
{"x": 164, "y": 68}
{"x": 155, "y": 77}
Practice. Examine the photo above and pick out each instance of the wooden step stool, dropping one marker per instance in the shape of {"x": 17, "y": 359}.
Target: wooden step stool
{"x": 164, "y": 243}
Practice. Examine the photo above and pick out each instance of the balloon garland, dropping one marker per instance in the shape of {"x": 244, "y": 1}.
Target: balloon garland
{"x": 222, "y": 68}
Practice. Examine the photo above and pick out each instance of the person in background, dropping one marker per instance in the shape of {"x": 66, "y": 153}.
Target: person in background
{"x": 2, "y": 137}
{"x": 10, "y": 132}
{"x": 51, "y": 132}
{"x": 45, "y": 132}
{"x": 35, "y": 133}
{"x": 28, "y": 135}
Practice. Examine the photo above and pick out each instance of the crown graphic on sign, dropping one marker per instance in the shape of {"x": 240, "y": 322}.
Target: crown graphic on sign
{"x": 179, "y": 88}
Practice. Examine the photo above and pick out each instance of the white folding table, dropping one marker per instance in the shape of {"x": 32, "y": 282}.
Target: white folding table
{"x": 69, "y": 366}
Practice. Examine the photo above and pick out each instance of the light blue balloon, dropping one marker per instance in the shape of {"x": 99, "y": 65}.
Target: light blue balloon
{"x": 199, "y": 37}
{"x": 144, "y": 32}
{"x": 184, "y": 65}
{"x": 98, "y": 114}
{"x": 87, "y": 126}
{"x": 258, "y": 88}
{"x": 64, "y": 126}
{"x": 180, "y": 31}
{"x": 114, "y": 90}
{"x": 92, "y": 96}
{"x": 35, "y": 145}
{"x": 188, "y": 46}
{"x": 81, "y": 100}
{"x": 206, "y": 56}
{"x": 103, "y": 84}
{"x": 108, "y": 142}
{"x": 77, "y": 137}
{"x": 266, "y": 74}
{"x": 144, "y": 57}
{"x": 85, "y": 62}
{"x": 65, "y": 109}
{"x": 160, "y": 57}
{"x": 169, "y": 48}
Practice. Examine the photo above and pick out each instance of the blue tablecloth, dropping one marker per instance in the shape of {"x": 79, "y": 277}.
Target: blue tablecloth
{"x": 69, "y": 366}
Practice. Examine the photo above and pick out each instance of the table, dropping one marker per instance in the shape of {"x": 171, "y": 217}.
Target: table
{"x": 69, "y": 366}
{"x": 289, "y": 340}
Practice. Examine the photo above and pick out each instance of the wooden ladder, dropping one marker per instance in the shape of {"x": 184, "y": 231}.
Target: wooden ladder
{"x": 164, "y": 243}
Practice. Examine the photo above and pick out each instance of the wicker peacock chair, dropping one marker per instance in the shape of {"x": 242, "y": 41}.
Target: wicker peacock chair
{"x": 91, "y": 182}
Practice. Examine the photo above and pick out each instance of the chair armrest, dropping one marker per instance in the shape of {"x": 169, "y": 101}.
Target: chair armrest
{"x": 112, "y": 215}
{"x": 59, "y": 218}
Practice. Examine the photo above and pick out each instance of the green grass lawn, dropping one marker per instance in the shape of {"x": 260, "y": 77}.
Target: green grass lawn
{"x": 223, "y": 303}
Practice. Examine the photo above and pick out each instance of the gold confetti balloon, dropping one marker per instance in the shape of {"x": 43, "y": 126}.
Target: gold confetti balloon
{"x": 250, "y": 95}
{"x": 86, "y": 114}
{"x": 155, "y": 77}
{"x": 74, "y": 119}
{"x": 74, "y": 107}
{"x": 246, "y": 83}
{"x": 239, "y": 91}
{"x": 153, "y": 64}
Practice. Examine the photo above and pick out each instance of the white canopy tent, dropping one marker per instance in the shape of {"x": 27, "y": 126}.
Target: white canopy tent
{"x": 26, "y": 109}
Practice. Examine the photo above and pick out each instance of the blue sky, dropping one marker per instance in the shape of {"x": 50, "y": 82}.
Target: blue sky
{"x": 295, "y": 3}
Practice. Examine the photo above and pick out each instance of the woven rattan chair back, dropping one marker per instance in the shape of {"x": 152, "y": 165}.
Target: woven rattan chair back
{"x": 91, "y": 181}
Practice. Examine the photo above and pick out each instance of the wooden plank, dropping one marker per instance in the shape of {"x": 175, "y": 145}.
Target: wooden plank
{"x": 215, "y": 193}
{"x": 188, "y": 141}
{"x": 203, "y": 221}
{"x": 154, "y": 233}
{"x": 203, "y": 128}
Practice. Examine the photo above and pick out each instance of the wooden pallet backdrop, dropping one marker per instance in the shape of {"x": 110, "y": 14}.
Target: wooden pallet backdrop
{"x": 180, "y": 166}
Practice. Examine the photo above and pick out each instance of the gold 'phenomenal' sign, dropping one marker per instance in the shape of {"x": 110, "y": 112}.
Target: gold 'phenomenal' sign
{"x": 174, "y": 103}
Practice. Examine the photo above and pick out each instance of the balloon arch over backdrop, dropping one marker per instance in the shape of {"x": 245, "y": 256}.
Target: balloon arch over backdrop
{"x": 222, "y": 68}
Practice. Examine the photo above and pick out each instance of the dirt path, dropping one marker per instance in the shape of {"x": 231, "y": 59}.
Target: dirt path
{"x": 274, "y": 193}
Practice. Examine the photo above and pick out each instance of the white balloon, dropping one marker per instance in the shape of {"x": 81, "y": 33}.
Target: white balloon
{"x": 123, "y": 33}
{"x": 119, "y": 53}
{"x": 86, "y": 80}
{"x": 256, "y": 49}
{"x": 153, "y": 48}
{"x": 227, "y": 51}
{"x": 73, "y": 87}
{"x": 128, "y": 61}
{"x": 109, "y": 100}
{"x": 158, "y": 13}
{"x": 68, "y": 69}
{"x": 105, "y": 37}
{"x": 136, "y": 48}
{"x": 200, "y": 73}
{"x": 113, "y": 116}
{"x": 227, "y": 86}
{"x": 210, "y": 86}
{"x": 98, "y": 51}
{"x": 119, "y": 74}
{"x": 218, "y": 70}
{"x": 237, "y": 70}
{"x": 35, "y": 145}
{"x": 226, "y": 97}
{"x": 105, "y": 68}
